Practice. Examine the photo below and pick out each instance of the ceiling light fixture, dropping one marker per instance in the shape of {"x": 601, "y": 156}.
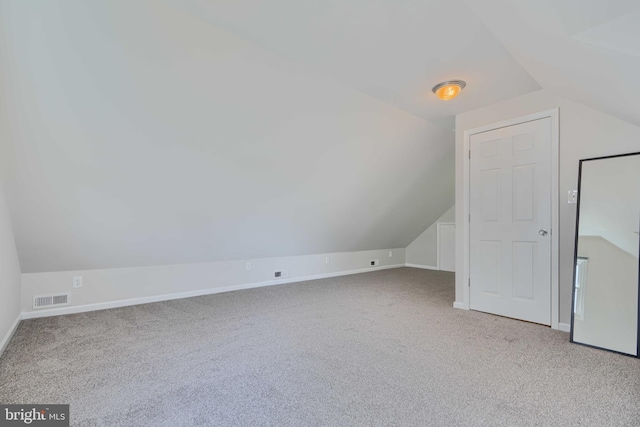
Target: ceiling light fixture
{"x": 448, "y": 90}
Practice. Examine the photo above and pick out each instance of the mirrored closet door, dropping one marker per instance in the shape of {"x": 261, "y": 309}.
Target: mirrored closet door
{"x": 605, "y": 290}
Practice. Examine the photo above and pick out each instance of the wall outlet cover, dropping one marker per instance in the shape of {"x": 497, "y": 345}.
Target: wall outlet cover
{"x": 77, "y": 282}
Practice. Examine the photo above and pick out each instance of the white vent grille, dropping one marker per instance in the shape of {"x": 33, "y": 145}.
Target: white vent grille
{"x": 43, "y": 301}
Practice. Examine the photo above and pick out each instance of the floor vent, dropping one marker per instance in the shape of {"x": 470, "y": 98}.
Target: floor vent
{"x": 44, "y": 301}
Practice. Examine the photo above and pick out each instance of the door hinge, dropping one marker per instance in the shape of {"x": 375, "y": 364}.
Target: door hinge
{"x": 469, "y": 217}
{"x": 469, "y": 153}
{"x": 469, "y": 281}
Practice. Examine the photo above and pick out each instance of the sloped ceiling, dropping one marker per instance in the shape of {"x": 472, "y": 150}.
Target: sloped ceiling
{"x": 395, "y": 51}
{"x": 142, "y": 135}
{"x": 583, "y": 50}
{"x": 162, "y": 132}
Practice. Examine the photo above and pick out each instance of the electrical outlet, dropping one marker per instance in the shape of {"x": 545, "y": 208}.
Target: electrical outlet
{"x": 390, "y": 254}
{"x": 77, "y": 282}
{"x": 572, "y": 197}
{"x": 326, "y": 261}
{"x": 374, "y": 262}
{"x": 248, "y": 266}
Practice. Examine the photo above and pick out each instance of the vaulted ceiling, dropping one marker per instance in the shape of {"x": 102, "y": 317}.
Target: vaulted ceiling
{"x": 146, "y": 132}
{"x": 584, "y": 50}
{"x": 395, "y": 51}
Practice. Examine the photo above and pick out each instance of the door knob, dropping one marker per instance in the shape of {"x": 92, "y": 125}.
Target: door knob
{"x": 543, "y": 232}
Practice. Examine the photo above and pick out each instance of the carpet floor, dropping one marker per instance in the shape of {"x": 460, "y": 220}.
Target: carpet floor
{"x": 384, "y": 348}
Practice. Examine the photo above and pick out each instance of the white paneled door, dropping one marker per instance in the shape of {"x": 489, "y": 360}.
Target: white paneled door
{"x": 510, "y": 230}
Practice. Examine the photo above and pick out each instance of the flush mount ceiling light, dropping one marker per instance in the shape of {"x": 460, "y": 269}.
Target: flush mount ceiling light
{"x": 448, "y": 90}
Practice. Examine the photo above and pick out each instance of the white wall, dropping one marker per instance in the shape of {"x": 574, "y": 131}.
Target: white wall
{"x": 143, "y": 135}
{"x": 9, "y": 263}
{"x": 9, "y": 278}
{"x": 584, "y": 133}
{"x": 126, "y": 286}
{"x": 423, "y": 250}
{"x": 611, "y": 297}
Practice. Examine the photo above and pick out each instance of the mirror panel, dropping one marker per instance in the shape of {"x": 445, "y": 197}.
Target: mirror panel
{"x": 605, "y": 298}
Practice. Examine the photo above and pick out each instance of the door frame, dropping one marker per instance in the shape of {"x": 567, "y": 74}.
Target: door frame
{"x": 438, "y": 240}
{"x": 554, "y": 115}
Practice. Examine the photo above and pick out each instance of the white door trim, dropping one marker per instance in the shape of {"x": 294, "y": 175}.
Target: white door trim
{"x": 554, "y": 115}
{"x": 438, "y": 241}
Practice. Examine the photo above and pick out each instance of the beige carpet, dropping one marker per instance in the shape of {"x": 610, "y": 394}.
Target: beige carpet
{"x": 376, "y": 349}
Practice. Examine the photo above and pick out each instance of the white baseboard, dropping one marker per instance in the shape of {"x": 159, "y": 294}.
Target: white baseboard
{"x": 564, "y": 327}
{"x": 424, "y": 267}
{"x": 189, "y": 294}
{"x": 9, "y": 334}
